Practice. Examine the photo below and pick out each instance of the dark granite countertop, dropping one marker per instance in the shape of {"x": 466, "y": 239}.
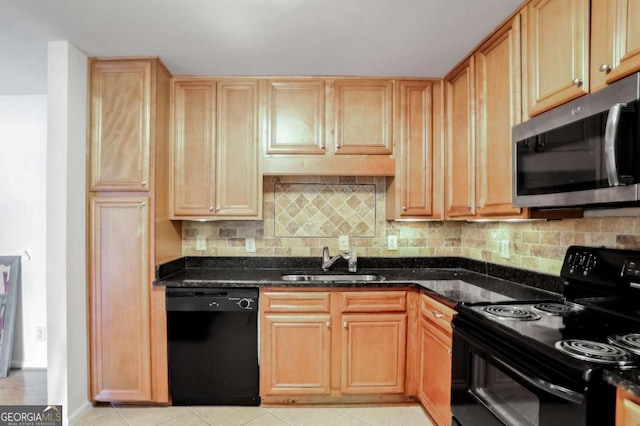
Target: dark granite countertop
{"x": 629, "y": 380}
{"x": 451, "y": 280}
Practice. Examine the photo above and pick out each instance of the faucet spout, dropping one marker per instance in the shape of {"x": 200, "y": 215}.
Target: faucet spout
{"x": 327, "y": 260}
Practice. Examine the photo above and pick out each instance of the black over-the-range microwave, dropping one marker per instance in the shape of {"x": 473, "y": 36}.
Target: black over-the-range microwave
{"x": 585, "y": 153}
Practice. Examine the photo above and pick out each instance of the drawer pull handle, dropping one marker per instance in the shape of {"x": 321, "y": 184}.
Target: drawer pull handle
{"x": 346, "y": 325}
{"x": 328, "y": 324}
{"x": 437, "y": 314}
{"x": 449, "y": 351}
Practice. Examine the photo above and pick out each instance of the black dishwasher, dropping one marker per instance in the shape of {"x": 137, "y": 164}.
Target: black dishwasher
{"x": 213, "y": 346}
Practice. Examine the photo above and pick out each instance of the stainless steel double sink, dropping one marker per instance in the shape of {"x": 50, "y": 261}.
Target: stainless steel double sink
{"x": 332, "y": 277}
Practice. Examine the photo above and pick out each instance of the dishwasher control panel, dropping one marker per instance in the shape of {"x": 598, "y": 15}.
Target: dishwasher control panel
{"x": 212, "y": 299}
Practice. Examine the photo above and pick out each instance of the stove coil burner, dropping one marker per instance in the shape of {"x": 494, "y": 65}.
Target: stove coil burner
{"x": 629, "y": 341}
{"x": 602, "y": 353}
{"x": 508, "y": 312}
{"x": 553, "y": 308}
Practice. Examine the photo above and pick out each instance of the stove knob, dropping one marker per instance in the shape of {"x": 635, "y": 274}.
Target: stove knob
{"x": 245, "y": 303}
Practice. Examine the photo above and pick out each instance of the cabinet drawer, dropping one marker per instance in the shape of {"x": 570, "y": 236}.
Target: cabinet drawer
{"x": 436, "y": 313}
{"x": 374, "y": 301}
{"x": 280, "y": 301}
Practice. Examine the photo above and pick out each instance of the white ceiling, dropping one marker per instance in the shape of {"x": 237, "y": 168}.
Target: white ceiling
{"x": 249, "y": 37}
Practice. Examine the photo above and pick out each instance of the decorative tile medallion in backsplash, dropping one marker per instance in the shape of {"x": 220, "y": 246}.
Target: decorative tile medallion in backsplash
{"x": 324, "y": 210}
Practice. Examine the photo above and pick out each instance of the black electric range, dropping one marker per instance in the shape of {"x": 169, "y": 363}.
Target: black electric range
{"x": 540, "y": 364}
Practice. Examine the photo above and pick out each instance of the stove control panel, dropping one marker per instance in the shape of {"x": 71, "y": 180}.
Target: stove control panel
{"x": 602, "y": 267}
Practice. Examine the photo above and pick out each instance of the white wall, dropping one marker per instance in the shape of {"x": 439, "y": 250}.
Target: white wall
{"x": 67, "y": 374}
{"x": 23, "y": 185}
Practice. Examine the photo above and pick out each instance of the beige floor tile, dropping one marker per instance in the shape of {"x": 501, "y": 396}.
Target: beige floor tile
{"x": 308, "y": 416}
{"x": 385, "y": 416}
{"x": 101, "y": 416}
{"x": 346, "y": 419}
{"x": 148, "y": 416}
{"x": 228, "y": 416}
{"x": 267, "y": 419}
{"x": 419, "y": 419}
{"x": 189, "y": 419}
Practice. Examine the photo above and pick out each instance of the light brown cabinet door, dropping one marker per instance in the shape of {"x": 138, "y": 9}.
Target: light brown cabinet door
{"x": 627, "y": 408}
{"x": 295, "y": 116}
{"x": 363, "y": 116}
{"x": 373, "y": 353}
{"x": 434, "y": 389}
{"x": 558, "y": 52}
{"x": 193, "y": 148}
{"x": 460, "y": 152}
{"x": 296, "y": 354}
{"x": 120, "y": 115}
{"x": 238, "y": 176}
{"x": 416, "y": 148}
{"x": 603, "y": 16}
{"x": 498, "y": 109}
{"x": 626, "y": 39}
{"x": 119, "y": 294}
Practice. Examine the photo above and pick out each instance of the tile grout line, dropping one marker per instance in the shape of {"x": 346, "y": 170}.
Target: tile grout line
{"x": 119, "y": 415}
{"x": 198, "y": 415}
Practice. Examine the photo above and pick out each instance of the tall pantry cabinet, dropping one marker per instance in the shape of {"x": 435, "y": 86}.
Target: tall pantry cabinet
{"x": 129, "y": 228}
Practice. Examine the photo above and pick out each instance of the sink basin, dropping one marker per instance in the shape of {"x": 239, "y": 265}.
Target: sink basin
{"x": 332, "y": 277}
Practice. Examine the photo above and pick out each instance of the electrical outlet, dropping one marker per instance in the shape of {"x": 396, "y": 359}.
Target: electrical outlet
{"x": 343, "y": 242}
{"x": 504, "y": 249}
{"x": 250, "y": 245}
{"x": 201, "y": 242}
{"x": 41, "y": 334}
{"x": 392, "y": 242}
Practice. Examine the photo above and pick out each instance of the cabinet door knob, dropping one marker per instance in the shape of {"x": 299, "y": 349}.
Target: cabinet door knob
{"x": 217, "y": 209}
{"x": 606, "y": 68}
{"x": 328, "y": 324}
{"x": 143, "y": 204}
{"x": 210, "y": 208}
{"x": 449, "y": 351}
{"x": 346, "y": 325}
{"x": 577, "y": 81}
{"x": 437, "y": 314}
{"x": 143, "y": 183}
{"x": 404, "y": 208}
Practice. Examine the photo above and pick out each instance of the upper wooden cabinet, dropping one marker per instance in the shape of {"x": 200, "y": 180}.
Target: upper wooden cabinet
{"x": 498, "y": 108}
{"x": 121, "y": 113}
{"x": 460, "y": 151}
{"x": 363, "y": 116}
{"x": 416, "y": 190}
{"x": 624, "y": 17}
{"x": 215, "y": 171}
{"x": 338, "y": 127}
{"x": 295, "y": 114}
{"x": 557, "y": 51}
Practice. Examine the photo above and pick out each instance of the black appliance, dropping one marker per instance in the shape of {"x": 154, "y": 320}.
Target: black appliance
{"x": 583, "y": 153}
{"x": 541, "y": 364}
{"x": 213, "y": 346}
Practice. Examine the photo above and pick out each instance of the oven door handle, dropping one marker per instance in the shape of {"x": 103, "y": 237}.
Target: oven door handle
{"x": 556, "y": 390}
{"x": 610, "y": 154}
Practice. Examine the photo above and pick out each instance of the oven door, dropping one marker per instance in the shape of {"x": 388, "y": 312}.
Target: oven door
{"x": 489, "y": 389}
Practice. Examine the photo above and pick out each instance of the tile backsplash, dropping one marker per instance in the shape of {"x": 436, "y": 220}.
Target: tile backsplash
{"x": 303, "y": 214}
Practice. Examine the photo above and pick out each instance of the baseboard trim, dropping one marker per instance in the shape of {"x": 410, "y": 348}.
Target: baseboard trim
{"x": 75, "y": 417}
{"x": 25, "y": 365}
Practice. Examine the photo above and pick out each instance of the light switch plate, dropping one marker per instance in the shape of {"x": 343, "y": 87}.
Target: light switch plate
{"x": 504, "y": 249}
{"x": 343, "y": 242}
{"x": 250, "y": 245}
{"x": 201, "y": 242}
{"x": 392, "y": 242}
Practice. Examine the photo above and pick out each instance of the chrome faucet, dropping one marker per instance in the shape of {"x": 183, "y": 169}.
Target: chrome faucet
{"x": 327, "y": 260}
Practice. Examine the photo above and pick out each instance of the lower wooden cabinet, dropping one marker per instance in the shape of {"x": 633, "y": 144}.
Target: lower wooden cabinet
{"x": 120, "y": 294}
{"x": 319, "y": 346}
{"x": 627, "y": 408}
{"x": 373, "y": 353}
{"x": 434, "y": 386}
{"x": 297, "y": 359}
